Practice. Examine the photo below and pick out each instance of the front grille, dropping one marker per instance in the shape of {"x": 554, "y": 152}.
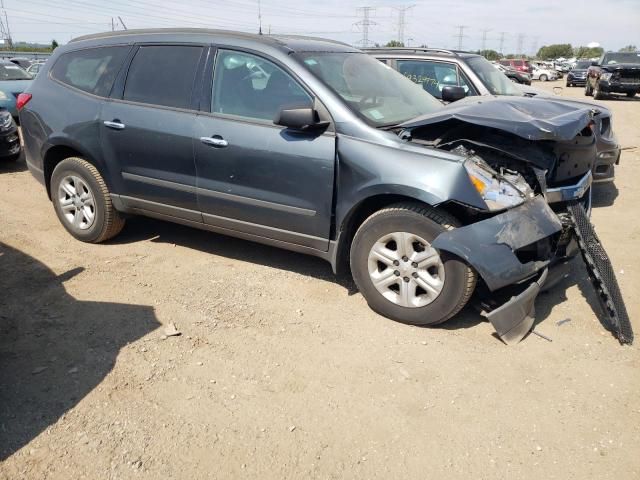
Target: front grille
{"x": 631, "y": 78}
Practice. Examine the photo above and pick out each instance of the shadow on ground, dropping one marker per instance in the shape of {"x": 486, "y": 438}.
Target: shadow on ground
{"x": 144, "y": 228}
{"x": 604, "y": 194}
{"x": 13, "y": 166}
{"x": 54, "y": 349}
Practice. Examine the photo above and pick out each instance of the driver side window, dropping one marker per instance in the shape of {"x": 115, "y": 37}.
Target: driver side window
{"x": 252, "y": 87}
{"x": 433, "y": 76}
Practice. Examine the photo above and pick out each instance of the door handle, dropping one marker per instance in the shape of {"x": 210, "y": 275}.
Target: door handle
{"x": 115, "y": 124}
{"x": 215, "y": 141}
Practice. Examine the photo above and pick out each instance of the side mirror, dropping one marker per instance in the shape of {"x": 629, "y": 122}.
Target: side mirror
{"x": 304, "y": 118}
{"x": 452, "y": 93}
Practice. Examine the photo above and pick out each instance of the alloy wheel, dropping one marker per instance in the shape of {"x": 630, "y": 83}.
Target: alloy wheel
{"x": 76, "y": 202}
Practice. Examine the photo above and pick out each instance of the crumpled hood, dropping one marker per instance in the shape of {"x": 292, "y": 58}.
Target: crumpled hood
{"x": 534, "y": 118}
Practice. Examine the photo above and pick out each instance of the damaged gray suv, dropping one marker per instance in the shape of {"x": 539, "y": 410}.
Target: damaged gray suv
{"x": 313, "y": 146}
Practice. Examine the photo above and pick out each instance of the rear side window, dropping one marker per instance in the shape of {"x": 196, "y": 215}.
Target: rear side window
{"x": 517, "y": 63}
{"x": 163, "y": 75}
{"x": 92, "y": 70}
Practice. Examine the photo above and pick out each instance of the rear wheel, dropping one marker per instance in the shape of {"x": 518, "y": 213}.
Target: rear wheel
{"x": 400, "y": 274}
{"x": 543, "y": 78}
{"x": 631, "y": 94}
{"x": 82, "y": 201}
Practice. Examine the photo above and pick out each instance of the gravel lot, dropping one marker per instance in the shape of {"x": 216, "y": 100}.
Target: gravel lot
{"x": 282, "y": 371}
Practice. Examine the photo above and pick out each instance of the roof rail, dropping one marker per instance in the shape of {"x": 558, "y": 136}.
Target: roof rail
{"x": 415, "y": 49}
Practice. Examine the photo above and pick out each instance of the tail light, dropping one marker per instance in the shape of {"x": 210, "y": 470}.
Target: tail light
{"x": 22, "y": 100}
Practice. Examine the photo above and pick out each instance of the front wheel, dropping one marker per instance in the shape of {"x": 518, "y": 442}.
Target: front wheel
{"x": 543, "y": 78}
{"x": 400, "y": 274}
{"x": 597, "y": 94}
{"x": 631, "y": 94}
{"x": 82, "y": 201}
{"x": 587, "y": 89}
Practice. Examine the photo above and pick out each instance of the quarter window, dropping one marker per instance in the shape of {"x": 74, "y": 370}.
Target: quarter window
{"x": 252, "y": 87}
{"x": 433, "y": 76}
{"x": 163, "y": 75}
{"x": 92, "y": 70}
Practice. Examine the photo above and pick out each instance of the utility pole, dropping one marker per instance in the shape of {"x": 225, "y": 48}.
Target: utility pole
{"x": 402, "y": 21}
{"x": 521, "y": 38}
{"x": 484, "y": 39}
{"x": 460, "y": 35}
{"x": 365, "y": 23}
{"x": 501, "y": 51}
{"x": 122, "y": 23}
{"x": 113, "y": 25}
{"x": 259, "y": 18}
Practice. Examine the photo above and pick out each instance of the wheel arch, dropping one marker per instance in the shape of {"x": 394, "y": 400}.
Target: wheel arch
{"x": 60, "y": 150}
{"x": 348, "y": 226}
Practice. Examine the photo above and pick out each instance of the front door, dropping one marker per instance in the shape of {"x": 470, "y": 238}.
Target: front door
{"x": 256, "y": 177}
{"x": 148, "y": 130}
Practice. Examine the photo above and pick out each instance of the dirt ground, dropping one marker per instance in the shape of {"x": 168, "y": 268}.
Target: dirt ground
{"x": 282, "y": 371}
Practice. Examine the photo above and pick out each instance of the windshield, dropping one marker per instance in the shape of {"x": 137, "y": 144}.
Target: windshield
{"x": 494, "y": 80}
{"x": 582, "y": 65}
{"x": 626, "y": 57}
{"x": 13, "y": 72}
{"x": 373, "y": 90}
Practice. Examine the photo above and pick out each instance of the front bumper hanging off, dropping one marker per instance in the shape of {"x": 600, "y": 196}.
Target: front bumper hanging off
{"x": 491, "y": 247}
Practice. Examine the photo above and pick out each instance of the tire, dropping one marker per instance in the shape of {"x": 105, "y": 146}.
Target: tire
{"x": 543, "y": 78}
{"x": 457, "y": 279}
{"x": 569, "y": 84}
{"x": 587, "y": 89}
{"x": 101, "y": 220}
{"x": 631, "y": 94}
{"x": 597, "y": 94}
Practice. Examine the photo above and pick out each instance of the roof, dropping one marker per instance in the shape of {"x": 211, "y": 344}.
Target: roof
{"x": 291, "y": 42}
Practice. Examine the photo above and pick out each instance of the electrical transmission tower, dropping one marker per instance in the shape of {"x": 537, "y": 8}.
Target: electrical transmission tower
{"x": 484, "y": 39}
{"x": 402, "y": 21}
{"x": 521, "y": 38}
{"x": 5, "y": 32}
{"x": 460, "y": 35}
{"x": 534, "y": 45}
{"x": 501, "y": 51}
{"x": 364, "y": 24}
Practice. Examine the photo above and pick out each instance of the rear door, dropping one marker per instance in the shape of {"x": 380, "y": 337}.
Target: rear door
{"x": 254, "y": 176}
{"x": 147, "y": 129}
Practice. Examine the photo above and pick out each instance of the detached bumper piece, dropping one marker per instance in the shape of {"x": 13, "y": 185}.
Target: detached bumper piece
{"x": 514, "y": 319}
{"x": 602, "y": 275}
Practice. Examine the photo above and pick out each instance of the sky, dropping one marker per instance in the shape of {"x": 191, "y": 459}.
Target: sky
{"x": 611, "y": 23}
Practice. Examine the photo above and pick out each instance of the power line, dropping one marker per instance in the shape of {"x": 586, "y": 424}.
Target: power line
{"x": 460, "y": 35}
{"x": 364, "y": 24}
{"x": 5, "y": 31}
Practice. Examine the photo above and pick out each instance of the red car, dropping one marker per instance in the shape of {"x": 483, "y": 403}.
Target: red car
{"x": 520, "y": 65}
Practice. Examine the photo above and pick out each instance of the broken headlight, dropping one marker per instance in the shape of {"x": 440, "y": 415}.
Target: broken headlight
{"x": 500, "y": 191}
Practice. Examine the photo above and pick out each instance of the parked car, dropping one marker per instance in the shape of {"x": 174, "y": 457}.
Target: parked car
{"x": 13, "y": 81}
{"x": 577, "y": 76}
{"x": 520, "y": 65}
{"x": 9, "y": 139}
{"x": 21, "y": 62}
{"x": 615, "y": 72}
{"x": 435, "y": 69}
{"x": 313, "y": 146}
{"x": 514, "y": 75}
{"x": 543, "y": 74}
{"x": 35, "y": 68}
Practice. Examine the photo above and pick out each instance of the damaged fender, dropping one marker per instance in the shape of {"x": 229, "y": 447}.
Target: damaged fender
{"x": 489, "y": 245}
